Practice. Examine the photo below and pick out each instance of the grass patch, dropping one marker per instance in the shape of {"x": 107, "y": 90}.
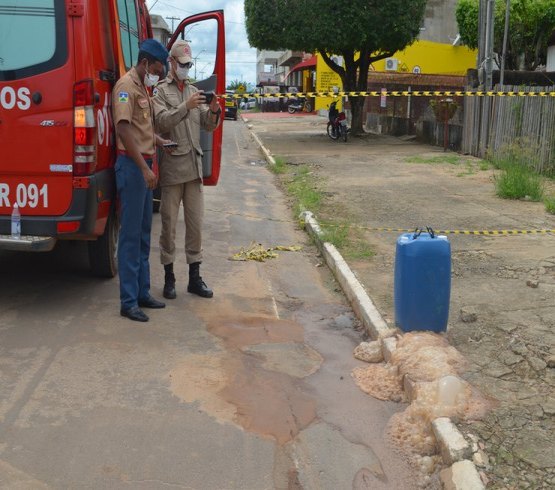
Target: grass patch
{"x": 518, "y": 178}
{"x": 517, "y": 181}
{"x": 550, "y": 204}
{"x": 302, "y": 187}
{"x": 450, "y": 159}
{"x": 280, "y": 167}
{"x": 335, "y": 234}
{"x": 358, "y": 249}
{"x": 350, "y": 241}
{"x": 470, "y": 170}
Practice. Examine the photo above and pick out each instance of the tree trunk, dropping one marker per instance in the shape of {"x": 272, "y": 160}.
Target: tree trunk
{"x": 355, "y": 79}
{"x": 358, "y": 113}
{"x": 360, "y": 79}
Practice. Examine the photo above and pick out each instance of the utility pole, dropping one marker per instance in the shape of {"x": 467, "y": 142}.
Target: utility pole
{"x": 505, "y": 40}
{"x": 487, "y": 11}
{"x": 481, "y": 38}
{"x": 490, "y": 20}
{"x": 172, "y": 19}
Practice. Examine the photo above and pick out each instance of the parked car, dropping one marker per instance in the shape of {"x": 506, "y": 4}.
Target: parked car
{"x": 231, "y": 106}
{"x": 247, "y": 103}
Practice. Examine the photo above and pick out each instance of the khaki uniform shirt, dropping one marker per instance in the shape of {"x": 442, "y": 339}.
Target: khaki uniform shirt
{"x": 175, "y": 122}
{"x": 131, "y": 102}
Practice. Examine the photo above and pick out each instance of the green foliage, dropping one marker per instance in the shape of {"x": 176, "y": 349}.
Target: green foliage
{"x": 279, "y": 167}
{"x": 517, "y": 181}
{"x": 235, "y": 84}
{"x": 550, "y": 204}
{"x": 532, "y": 22}
{"x": 467, "y": 13}
{"x": 373, "y": 29}
{"x": 303, "y": 189}
{"x": 335, "y": 234}
{"x": 451, "y": 159}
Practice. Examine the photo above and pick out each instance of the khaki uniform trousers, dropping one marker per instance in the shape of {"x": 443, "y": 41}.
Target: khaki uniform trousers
{"x": 191, "y": 194}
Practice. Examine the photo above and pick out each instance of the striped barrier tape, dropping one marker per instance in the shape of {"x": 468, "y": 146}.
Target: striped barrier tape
{"x": 397, "y": 230}
{"x": 397, "y": 93}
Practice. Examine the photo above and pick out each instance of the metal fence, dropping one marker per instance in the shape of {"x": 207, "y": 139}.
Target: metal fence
{"x": 527, "y": 122}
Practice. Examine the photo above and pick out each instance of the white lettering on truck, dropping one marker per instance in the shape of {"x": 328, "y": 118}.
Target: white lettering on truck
{"x": 24, "y": 195}
{"x": 4, "y": 194}
{"x": 9, "y": 98}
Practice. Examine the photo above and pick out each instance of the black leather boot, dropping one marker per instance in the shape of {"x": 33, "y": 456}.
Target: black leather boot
{"x": 169, "y": 282}
{"x": 196, "y": 284}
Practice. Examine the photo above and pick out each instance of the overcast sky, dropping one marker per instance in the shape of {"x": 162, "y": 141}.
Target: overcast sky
{"x": 240, "y": 57}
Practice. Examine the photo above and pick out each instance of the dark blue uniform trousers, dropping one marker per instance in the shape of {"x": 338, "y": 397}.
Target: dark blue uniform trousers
{"x": 134, "y": 237}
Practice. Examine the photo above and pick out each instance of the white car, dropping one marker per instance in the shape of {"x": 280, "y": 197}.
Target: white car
{"x": 250, "y": 103}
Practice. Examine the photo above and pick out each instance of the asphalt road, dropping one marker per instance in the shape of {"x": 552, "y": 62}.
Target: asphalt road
{"x": 249, "y": 390}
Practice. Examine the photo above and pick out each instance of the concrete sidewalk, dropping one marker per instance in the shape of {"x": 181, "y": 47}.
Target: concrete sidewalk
{"x": 502, "y": 308}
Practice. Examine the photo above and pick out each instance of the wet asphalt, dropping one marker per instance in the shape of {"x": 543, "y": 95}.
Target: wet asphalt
{"x": 249, "y": 390}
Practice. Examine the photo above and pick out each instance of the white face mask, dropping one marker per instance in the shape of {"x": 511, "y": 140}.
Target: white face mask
{"x": 182, "y": 73}
{"x": 150, "y": 80}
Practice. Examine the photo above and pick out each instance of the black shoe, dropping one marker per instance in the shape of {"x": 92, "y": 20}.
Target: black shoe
{"x": 196, "y": 284}
{"x": 169, "y": 291}
{"x": 169, "y": 282}
{"x": 199, "y": 288}
{"x": 135, "y": 314}
{"x": 150, "y": 302}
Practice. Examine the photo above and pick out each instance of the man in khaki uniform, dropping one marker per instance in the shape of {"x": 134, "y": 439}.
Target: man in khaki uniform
{"x": 133, "y": 119}
{"x": 180, "y": 111}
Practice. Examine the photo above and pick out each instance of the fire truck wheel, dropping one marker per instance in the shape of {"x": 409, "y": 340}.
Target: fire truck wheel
{"x": 103, "y": 251}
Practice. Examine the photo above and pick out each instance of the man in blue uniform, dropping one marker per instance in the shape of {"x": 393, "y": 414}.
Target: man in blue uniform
{"x": 136, "y": 141}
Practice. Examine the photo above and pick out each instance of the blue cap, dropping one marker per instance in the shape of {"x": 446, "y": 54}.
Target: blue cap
{"x": 155, "y": 48}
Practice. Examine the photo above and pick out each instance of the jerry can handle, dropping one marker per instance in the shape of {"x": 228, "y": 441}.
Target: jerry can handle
{"x": 418, "y": 231}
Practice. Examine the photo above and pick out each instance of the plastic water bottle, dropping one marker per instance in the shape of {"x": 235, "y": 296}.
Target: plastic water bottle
{"x": 16, "y": 222}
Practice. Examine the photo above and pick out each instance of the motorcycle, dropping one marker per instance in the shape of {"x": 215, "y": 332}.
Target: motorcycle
{"x": 300, "y": 104}
{"x": 337, "y": 124}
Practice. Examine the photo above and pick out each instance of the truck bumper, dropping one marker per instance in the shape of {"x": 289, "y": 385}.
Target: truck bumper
{"x": 40, "y": 233}
{"x": 27, "y": 243}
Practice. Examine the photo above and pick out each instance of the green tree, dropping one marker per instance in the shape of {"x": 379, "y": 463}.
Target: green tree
{"x": 532, "y": 22}
{"x": 235, "y": 84}
{"x": 361, "y": 31}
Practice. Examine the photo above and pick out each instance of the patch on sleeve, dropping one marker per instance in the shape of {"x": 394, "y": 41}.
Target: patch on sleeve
{"x": 123, "y": 97}
{"x": 155, "y": 92}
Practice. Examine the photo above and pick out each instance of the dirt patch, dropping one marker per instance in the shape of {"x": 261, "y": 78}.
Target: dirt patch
{"x": 508, "y": 281}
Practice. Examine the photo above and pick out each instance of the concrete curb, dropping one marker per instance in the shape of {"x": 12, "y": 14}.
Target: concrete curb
{"x": 361, "y": 303}
{"x": 461, "y": 473}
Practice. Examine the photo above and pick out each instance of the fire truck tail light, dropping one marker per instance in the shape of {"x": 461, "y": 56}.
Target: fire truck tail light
{"x": 84, "y": 129}
{"x": 67, "y": 226}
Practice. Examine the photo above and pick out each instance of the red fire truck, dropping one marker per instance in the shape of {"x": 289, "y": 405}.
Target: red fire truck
{"x": 59, "y": 60}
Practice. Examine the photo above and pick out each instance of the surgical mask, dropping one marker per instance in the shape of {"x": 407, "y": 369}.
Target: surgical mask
{"x": 150, "y": 79}
{"x": 182, "y": 73}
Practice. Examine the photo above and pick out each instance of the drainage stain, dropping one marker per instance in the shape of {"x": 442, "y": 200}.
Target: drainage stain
{"x": 254, "y": 383}
{"x": 268, "y": 403}
{"x": 255, "y": 330}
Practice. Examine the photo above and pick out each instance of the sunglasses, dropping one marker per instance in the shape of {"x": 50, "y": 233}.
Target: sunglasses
{"x": 184, "y": 65}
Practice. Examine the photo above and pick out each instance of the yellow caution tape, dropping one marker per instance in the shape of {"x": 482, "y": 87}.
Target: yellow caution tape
{"x": 383, "y": 229}
{"x": 398, "y": 93}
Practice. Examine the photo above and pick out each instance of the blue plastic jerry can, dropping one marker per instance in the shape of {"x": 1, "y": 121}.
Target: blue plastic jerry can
{"x": 422, "y": 286}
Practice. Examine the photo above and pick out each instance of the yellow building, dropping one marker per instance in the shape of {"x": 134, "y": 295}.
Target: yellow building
{"x": 326, "y": 81}
{"x": 430, "y": 58}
